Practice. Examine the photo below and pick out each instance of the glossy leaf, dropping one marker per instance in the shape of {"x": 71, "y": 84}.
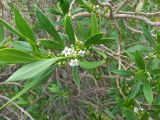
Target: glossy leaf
{"x": 51, "y": 44}
{"x": 14, "y": 56}
{"x": 147, "y": 90}
{"x": 93, "y": 39}
{"x": 46, "y": 24}
{"x": 69, "y": 29}
{"x": 76, "y": 77}
{"x": 123, "y": 72}
{"x": 33, "y": 69}
{"x": 90, "y": 65}
{"x": 22, "y": 25}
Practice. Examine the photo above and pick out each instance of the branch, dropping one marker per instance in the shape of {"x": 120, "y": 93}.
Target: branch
{"x": 141, "y": 13}
{"x": 116, "y": 16}
{"x": 25, "y": 112}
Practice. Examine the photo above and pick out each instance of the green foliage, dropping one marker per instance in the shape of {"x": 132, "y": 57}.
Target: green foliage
{"x": 46, "y": 24}
{"x": 14, "y": 56}
{"x": 69, "y": 29}
{"x": 22, "y": 25}
{"x": 147, "y": 90}
{"x": 74, "y": 62}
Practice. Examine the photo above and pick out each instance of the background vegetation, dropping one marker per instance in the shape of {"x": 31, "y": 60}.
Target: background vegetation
{"x": 79, "y": 60}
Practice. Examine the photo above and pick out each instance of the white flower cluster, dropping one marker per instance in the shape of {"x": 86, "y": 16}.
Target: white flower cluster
{"x": 150, "y": 55}
{"x": 73, "y": 62}
{"x": 136, "y": 110}
{"x": 72, "y": 52}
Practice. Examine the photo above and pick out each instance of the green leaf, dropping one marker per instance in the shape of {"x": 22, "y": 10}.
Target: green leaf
{"x": 33, "y": 69}
{"x": 21, "y": 45}
{"x": 135, "y": 89}
{"x": 90, "y": 65}
{"x": 76, "y": 77}
{"x": 22, "y": 25}
{"x": 103, "y": 41}
{"x": 94, "y": 24}
{"x": 51, "y": 44}
{"x": 100, "y": 53}
{"x": 123, "y": 72}
{"x": 148, "y": 36}
{"x": 64, "y": 5}
{"x": 139, "y": 60}
{"x": 10, "y": 28}
{"x": 14, "y": 56}
{"x": 93, "y": 39}
{"x": 2, "y": 36}
{"x": 33, "y": 82}
{"x": 129, "y": 115}
{"x": 54, "y": 11}
{"x": 140, "y": 48}
{"x": 69, "y": 29}
{"x": 47, "y": 25}
{"x": 147, "y": 90}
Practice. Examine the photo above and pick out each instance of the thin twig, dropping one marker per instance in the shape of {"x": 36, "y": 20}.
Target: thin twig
{"x": 20, "y": 108}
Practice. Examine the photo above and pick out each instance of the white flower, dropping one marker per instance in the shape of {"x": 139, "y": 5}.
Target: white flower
{"x": 82, "y": 53}
{"x": 66, "y": 51}
{"x": 141, "y": 109}
{"x": 73, "y": 52}
{"x": 73, "y": 62}
{"x": 97, "y": 6}
{"x": 136, "y": 110}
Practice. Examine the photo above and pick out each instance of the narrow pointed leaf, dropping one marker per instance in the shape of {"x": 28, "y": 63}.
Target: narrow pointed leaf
{"x": 11, "y": 29}
{"x": 90, "y": 65}
{"x": 123, "y": 72}
{"x": 76, "y": 77}
{"x": 14, "y": 56}
{"x": 51, "y": 44}
{"x": 139, "y": 60}
{"x": 69, "y": 29}
{"x": 46, "y": 24}
{"x": 93, "y": 39}
{"x": 135, "y": 89}
{"x": 147, "y": 90}
{"x": 22, "y": 25}
{"x": 21, "y": 45}
{"x": 33, "y": 69}
{"x": 94, "y": 24}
